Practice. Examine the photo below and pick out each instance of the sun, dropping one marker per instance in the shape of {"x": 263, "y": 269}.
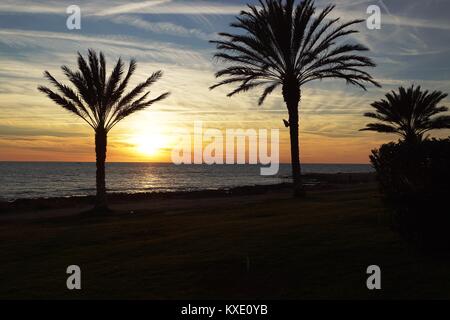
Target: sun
{"x": 149, "y": 144}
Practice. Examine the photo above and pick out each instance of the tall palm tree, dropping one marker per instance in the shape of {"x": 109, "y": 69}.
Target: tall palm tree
{"x": 284, "y": 43}
{"x": 410, "y": 113}
{"x": 101, "y": 102}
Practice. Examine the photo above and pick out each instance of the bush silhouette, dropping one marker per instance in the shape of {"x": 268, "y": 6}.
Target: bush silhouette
{"x": 415, "y": 181}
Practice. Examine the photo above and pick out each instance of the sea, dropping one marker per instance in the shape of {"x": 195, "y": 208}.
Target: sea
{"x": 20, "y": 180}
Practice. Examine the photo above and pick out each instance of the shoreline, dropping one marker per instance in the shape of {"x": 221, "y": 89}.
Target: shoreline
{"x": 320, "y": 181}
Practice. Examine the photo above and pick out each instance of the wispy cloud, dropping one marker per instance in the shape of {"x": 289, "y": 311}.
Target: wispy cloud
{"x": 167, "y": 28}
{"x": 108, "y": 7}
{"x": 131, "y": 7}
{"x": 117, "y": 45}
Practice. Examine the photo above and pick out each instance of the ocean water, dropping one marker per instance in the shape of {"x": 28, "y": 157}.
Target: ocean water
{"x": 51, "y": 179}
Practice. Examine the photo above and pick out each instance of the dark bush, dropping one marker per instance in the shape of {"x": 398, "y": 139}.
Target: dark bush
{"x": 415, "y": 181}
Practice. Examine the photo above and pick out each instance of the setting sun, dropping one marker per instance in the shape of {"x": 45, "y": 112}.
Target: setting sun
{"x": 149, "y": 144}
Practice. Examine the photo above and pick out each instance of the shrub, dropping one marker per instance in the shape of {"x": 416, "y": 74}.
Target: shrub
{"x": 415, "y": 182}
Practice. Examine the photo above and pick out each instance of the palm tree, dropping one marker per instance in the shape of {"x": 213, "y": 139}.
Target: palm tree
{"x": 410, "y": 113}
{"x": 285, "y": 44}
{"x": 101, "y": 102}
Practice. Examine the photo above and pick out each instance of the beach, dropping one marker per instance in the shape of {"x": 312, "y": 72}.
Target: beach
{"x": 247, "y": 243}
{"x": 32, "y": 208}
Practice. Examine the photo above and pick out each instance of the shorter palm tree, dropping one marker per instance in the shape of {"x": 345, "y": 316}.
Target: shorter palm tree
{"x": 410, "y": 113}
{"x": 101, "y": 103}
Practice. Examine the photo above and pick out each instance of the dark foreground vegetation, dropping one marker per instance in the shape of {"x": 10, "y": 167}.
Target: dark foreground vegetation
{"x": 415, "y": 180}
{"x": 267, "y": 245}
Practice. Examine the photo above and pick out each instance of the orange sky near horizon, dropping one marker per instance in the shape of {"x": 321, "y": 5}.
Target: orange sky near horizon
{"x": 147, "y": 148}
{"x": 150, "y": 135}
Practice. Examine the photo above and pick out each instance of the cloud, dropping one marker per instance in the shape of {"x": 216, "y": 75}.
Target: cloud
{"x": 97, "y": 8}
{"x": 8, "y": 130}
{"x": 167, "y": 28}
{"x": 114, "y": 45}
{"x": 131, "y": 7}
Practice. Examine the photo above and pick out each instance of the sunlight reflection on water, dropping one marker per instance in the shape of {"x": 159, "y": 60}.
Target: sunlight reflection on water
{"x": 46, "y": 179}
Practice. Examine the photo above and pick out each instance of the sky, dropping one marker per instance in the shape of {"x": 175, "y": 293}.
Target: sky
{"x": 412, "y": 47}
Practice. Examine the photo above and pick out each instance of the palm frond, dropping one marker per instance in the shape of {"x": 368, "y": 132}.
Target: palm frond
{"x": 138, "y": 105}
{"x": 267, "y": 91}
{"x": 63, "y": 102}
{"x": 97, "y": 99}
{"x": 111, "y": 85}
{"x": 139, "y": 88}
{"x": 288, "y": 43}
{"x": 117, "y": 94}
{"x": 380, "y": 127}
{"x": 411, "y": 111}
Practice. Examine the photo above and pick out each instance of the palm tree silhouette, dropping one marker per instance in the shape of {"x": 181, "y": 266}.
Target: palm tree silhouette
{"x": 101, "y": 102}
{"x": 286, "y": 44}
{"x": 409, "y": 113}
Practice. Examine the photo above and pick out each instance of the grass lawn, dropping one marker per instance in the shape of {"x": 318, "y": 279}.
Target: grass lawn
{"x": 265, "y": 247}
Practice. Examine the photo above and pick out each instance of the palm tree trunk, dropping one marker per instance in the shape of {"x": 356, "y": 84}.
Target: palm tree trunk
{"x": 295, "y": 154}
{"x": 100, "y": 152}
{"x": 291, "y": 95}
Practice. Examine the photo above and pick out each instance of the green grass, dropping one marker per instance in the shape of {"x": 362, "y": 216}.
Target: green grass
{"x": 278, "y": 247}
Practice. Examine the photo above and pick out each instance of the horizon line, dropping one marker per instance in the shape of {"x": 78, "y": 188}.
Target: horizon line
{"x": 160, "y": 162}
